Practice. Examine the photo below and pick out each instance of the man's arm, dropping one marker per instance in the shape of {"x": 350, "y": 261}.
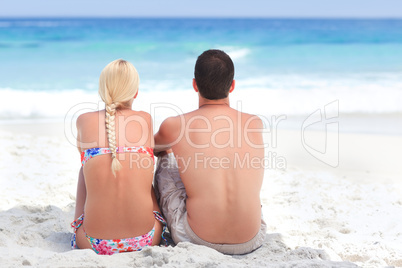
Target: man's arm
{"x": 253, "y": 134}
{"x": 168, "y": 134}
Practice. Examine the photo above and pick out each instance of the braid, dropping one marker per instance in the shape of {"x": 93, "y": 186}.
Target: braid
{"x": 118, "y": 85}
{"x": 111, "y": 135}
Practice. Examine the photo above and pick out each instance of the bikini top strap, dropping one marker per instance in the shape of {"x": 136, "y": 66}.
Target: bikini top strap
{"x": 160, "y": 218}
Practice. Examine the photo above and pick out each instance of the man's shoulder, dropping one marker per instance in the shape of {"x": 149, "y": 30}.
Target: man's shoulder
{"x": 248, "y": 120}
{"x": 170, "y": 125}
{"x": 172, "y": 121}
{"x": 180, "y": 119}
{"x": 251, "y": 119}
{"x": 231, "y": 114}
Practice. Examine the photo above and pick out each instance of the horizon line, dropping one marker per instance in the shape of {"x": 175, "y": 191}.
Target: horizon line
{"x": 205, "y": 17}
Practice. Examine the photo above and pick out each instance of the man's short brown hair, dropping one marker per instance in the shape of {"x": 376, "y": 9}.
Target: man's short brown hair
{"x": 214, "y": 73}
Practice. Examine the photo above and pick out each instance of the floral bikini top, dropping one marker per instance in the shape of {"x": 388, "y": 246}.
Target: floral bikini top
{"x": 89, "y": 153}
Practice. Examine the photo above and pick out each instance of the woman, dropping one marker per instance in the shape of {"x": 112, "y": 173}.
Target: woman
{"x": 116, "y": 208}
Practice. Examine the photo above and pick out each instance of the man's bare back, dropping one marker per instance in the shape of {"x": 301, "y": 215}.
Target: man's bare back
{"x": 214, "y": 146}
{"x": 211, "y": 193}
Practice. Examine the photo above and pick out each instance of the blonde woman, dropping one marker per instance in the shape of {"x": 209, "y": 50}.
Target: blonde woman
{"x": 116, "y": 210}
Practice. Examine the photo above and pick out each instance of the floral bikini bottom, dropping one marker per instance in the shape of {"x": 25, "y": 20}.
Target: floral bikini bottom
{"x": 112, "y": 246}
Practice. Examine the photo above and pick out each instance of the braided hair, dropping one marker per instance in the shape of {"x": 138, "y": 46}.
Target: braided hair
{"x": 118, "y": 84}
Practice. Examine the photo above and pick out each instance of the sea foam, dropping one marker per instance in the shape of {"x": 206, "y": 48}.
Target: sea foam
{"x": 288, "y": 95}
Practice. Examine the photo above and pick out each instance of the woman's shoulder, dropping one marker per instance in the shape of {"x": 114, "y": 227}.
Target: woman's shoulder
{"x": 85, "y": 118}
{"x": 141, "y": 114}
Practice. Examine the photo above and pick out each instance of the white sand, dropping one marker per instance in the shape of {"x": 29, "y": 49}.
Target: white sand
{"x": 317, "y": 216}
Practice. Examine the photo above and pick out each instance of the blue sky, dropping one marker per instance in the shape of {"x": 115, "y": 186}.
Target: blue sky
{"x": 205, "y": 8}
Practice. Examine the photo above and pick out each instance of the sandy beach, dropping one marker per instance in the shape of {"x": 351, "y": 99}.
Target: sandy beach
{"x": 317, "y": 215}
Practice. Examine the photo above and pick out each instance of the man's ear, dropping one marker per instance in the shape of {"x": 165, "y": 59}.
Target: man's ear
{"x": 195, "y": 85}
{"x": 232, "y": 86}
{"x": 136, "y": 94}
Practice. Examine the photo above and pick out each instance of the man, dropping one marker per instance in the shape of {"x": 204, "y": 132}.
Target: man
{"x": 209, "y": 186}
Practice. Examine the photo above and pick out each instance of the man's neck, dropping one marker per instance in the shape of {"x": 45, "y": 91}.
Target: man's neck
{"x": 205, "y": 102}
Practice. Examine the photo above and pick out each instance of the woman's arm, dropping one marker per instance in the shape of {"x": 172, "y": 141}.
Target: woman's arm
{"x": 81, "y": 187}
{"x": 81, "y": 195}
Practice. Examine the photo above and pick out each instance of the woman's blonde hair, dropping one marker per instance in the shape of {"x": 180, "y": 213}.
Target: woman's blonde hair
{"x": 118, "y": 84}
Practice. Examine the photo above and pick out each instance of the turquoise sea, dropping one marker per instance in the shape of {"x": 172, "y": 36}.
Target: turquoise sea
{"x": 284, "y": 63}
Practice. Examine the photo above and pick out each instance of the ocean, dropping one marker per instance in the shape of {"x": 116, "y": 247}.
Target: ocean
{"x": 282, "y": 66}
